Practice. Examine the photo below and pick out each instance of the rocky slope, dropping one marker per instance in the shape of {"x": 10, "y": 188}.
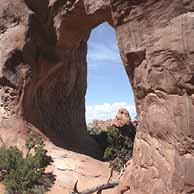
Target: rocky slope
{"x": 69, "y": 167}
{"x": 43, "y": 47}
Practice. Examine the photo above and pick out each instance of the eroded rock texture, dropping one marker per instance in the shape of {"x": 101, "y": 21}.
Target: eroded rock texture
{"x": 43, "y": 46}
{"x": 43, "y": 66}
{"x": 156, "y": 43}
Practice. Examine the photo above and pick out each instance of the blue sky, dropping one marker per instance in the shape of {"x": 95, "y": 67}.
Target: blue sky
{"x": 108, "y": 85}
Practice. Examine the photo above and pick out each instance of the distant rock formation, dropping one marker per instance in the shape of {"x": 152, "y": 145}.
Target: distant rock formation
{"x": 100, "y": 124}
{"x": 121, "y": 119}
{"x": 98, "y": 128}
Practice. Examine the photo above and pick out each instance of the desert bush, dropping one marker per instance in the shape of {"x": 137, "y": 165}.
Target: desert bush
{"x": 119, "y": 149}
{"x": 116, "y": 144}
{"x": 25, "y": 174}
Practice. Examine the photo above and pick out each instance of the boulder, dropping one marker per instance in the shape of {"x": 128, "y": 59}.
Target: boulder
{"x": 122, "y": 118}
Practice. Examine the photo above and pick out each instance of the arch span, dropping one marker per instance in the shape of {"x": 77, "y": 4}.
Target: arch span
{"x": 56, "y": 92}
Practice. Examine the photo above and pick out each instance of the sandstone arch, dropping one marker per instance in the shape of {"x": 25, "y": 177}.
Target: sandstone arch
{"x": 42, "y": 71}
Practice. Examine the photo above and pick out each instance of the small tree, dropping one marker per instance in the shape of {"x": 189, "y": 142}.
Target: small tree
{"x": 119, "y": 149}
{"x": 26, "y": 174}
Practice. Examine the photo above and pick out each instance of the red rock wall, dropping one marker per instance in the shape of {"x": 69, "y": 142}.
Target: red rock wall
{"x": 44, "y": 68}
{"x": 156, "y": 43}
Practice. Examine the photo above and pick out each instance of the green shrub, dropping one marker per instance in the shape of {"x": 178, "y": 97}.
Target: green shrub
{"x": 26, "y": 174}
{"x": 119, "y": 149}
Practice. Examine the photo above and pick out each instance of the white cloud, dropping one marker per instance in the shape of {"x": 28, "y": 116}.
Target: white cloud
{"x": 107, "y": 111}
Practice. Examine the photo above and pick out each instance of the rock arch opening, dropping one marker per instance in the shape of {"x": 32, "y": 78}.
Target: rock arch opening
{"x": 56, "y": 92}
{"x": 50, "y": 77}
{"x": 108, "y": 86}
{"x": 109, "y": 98}
{"x": 43, "y": 79}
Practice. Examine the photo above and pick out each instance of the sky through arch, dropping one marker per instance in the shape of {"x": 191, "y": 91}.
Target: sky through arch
{"x": 108, "y": 85}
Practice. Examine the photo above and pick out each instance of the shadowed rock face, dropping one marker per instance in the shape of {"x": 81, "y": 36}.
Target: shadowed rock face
{"x": 43, "y": 66}
{"x": 43, "y": 46}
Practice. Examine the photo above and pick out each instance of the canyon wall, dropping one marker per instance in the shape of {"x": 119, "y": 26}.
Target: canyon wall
{"x": 157, "y": 46}
{"x": 43, "y": 67}
{"x": 43, "y": 71}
